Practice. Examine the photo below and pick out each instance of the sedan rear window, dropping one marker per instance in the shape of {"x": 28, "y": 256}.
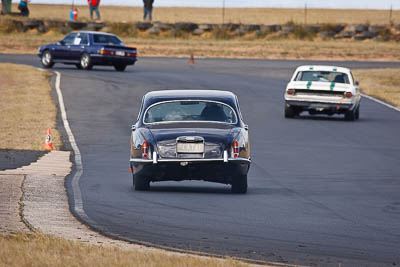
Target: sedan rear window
{"x": 322, "y": 76}
{"x": 106, "y": 39}
{"x": 186, "y": 111}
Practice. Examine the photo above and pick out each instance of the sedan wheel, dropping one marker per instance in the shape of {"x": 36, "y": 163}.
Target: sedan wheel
{"x": 239, "y": 184}
{"x": 289, "y": 112}
{"x": 358, "y": 112}
{"x": 350, "y": 115}
{"x": 120, "y": 67}
{"x": 86, "y": 62}
{"x": 47, "y": 59}
{"x": 140, "y": 182}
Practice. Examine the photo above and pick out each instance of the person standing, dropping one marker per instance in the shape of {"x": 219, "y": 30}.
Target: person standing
{"x": 5, "y": 6}
{"x": 148, "y": 8}
{"x": 94, "y": 6}
{"x": 23, "y": 7}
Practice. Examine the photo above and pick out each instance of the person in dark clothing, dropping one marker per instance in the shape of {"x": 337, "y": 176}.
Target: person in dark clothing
{"x": 148, "y": 8}
{"x": 94, "y": 6}
{"x": 23, "y": 7}
{"x": 5, "y": 6}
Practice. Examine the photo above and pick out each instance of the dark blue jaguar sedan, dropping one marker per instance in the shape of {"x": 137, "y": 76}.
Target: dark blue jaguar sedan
{"x": 84, "y": 49}
{"x": 190, "y": 135}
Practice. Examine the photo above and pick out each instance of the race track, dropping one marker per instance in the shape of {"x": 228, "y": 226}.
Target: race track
{"x": 321, "y": 190}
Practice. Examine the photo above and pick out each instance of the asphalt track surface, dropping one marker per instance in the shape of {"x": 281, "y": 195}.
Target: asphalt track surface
{"x": 321, "y": 190}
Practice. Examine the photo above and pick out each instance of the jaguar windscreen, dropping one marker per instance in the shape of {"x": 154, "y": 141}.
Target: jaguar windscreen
{"x": 322, "y": 76}
{"x": 189, "y": 111}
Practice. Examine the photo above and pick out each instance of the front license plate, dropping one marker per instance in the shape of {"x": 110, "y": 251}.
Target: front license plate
{"x": 190, "y": 147}
{"x": 120, "y": 53}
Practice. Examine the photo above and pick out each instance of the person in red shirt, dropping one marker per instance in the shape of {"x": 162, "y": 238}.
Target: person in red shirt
{"x": 94, "y": 6}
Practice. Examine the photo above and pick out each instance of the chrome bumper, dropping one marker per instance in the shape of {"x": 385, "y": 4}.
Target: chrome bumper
{"x": 320, "y": 104}
{"x": 155, "y": 159}
{"x": 313, "y": 100}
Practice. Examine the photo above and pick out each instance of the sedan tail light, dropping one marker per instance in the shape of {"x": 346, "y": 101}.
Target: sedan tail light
{"x": 107, "y": 52}
{"x": 129, "y": 54}
{"x": 291, "y": 91}
{"x": 348, "y": 95}
{"x": 145, "y": 150}
{"x": 235, "y": 149}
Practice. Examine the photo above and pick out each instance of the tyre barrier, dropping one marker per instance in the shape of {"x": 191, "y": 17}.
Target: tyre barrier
{"x": 227, "y": 30}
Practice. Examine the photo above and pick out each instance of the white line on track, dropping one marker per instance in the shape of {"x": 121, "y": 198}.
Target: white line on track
{"x": 78, "y": 203}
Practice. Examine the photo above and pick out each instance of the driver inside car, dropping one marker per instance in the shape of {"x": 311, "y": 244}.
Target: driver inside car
{"x": 213, "y": 112}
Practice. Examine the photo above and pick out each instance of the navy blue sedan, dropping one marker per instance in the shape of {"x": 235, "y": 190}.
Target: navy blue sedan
{"x": 190, "y": 135}
{"x": 84, "y": 49}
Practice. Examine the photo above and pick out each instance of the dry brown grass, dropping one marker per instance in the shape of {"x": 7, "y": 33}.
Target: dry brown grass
{"x": 214, "y": 15}
{"x": 380, "y": 83}
{"x": 26, "y": 108}
{"x": 40, "y": 250}
{"x": 239, "y": 48}
{"x": 28, "y": 42}
{"x": 277, "y": 49}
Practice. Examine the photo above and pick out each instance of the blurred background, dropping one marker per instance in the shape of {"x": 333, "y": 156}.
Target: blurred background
{"x": 338, "y": 4}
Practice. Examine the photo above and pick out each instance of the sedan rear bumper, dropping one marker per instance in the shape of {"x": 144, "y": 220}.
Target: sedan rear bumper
{"x": 112, "y": 60}
{"x": 213, "y": 170}
{"x": 320, "y": 105}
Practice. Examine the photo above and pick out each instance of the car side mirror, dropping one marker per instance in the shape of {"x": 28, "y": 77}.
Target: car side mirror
{"x": 357, "y": 83}
{"x": 246, "y": 127}
{"x": 133, "y": 127}
{"x": 61, "y": 42}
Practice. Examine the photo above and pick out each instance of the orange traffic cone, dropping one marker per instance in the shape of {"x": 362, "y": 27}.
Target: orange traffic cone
{"x": 48, "y": 143}
{"x": 191, "y": 59}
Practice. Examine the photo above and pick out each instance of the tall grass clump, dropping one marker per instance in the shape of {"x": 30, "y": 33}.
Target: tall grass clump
{"x": 303, "y": 34}
{"x": 180, "y": 34}
{"x": 123, "y": 29}
{"x": 220, "y": 33}
{"x": 9, "y": 26}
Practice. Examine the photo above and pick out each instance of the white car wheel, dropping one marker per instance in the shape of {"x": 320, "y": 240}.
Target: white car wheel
{"x": 86, "y": 62}
{"x": 47, "y": 59}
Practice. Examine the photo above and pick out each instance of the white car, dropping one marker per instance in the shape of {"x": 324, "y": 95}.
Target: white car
{"x": 323, "y": 90}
